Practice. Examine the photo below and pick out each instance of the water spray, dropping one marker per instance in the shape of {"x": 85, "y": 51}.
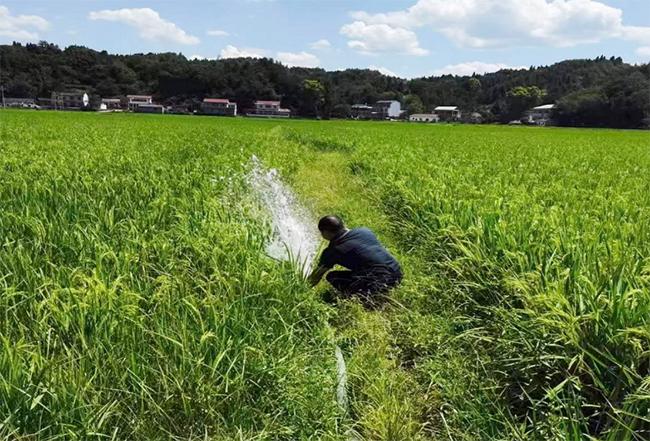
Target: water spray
{"x": 294, "y": 239}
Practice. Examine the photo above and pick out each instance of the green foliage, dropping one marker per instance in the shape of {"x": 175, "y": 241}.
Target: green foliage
{"x": 413, "y": 104}
{"x": 138, "y": 302}
{"x": 35, "y": 70}
{"x": 521, "y": 98}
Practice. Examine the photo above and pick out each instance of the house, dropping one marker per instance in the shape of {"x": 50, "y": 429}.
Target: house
{"x": 218, "y": 106}
{"x": 447, "y": 113}
{"x": 70, "y": 100}
{"x": 540, "y": 115}
{"x": 149, "y": 108}
{"x": 110, "y": 104}
{"x": 361, "y": 111}
{"x": 23, "y": 103}
{"x": 134, "y": 101}
{"x": 424, "y": 117}
{"x": 387, "y": 109}
{"x": 269, "y": 109}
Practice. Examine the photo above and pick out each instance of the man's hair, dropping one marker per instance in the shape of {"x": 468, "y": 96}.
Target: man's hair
{"x": 331, "y": 223}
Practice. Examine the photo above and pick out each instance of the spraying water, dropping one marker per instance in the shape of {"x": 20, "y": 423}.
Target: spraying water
{"x": 293, "y": 239}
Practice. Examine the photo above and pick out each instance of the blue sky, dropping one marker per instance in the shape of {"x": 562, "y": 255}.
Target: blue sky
{"x": 408, "y": 38}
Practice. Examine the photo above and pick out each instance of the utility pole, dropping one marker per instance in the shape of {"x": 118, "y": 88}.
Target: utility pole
{"x": 2, "y": 87}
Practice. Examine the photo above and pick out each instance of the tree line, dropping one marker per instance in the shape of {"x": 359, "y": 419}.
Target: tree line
{"x": 603, "y": 92}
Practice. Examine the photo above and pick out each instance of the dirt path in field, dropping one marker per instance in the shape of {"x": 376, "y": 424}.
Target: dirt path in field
{"x": 385, "y": 400}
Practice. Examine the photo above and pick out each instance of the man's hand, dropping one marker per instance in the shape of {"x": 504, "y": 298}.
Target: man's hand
{"x": 316, "y": 275}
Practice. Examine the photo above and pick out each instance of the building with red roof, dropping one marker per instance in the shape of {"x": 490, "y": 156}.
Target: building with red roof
{"x": 218, "y": 106}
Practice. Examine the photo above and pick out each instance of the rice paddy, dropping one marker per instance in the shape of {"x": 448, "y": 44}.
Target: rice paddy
{"x": 138, "y": 300}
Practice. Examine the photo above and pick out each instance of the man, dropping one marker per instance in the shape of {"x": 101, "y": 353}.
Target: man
{"x": 371, "y": 268}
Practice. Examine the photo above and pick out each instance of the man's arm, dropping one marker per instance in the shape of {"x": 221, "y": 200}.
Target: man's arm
{"x": 317, "y": 274}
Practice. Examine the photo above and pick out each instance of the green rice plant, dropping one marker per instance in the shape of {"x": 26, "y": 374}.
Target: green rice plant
{"x": 137, "y": 301}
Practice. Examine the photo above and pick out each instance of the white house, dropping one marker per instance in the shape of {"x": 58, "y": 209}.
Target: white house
{"x": 424, "y": 117}
{"x": 386, "y": 109}
{"x": 540, "y": 115}
{"x": 269, "y": 109}
{"x": 136, "y": 100}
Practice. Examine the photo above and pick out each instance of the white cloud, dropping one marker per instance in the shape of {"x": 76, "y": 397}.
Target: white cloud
{"x": 299, "y": 59}
{"x": 321, "y": 44}
{"x": 381, "y": 38}
{"x": 643, "y": 51}
{"x": 21, "y": 27}
{"x": 217, "y": 33}
{"x": 383, "y": 70}
{"x": 471, "y": 67}
{"x": 149, "y": 24}
{"x": 501, "y": 23}
{"x": 231, "y": 51}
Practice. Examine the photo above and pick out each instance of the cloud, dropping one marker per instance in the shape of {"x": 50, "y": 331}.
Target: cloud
{"x": 503, "y": 23}
{"x": 383, "y": 70}
{"x": 148, "y": 23}
{"x": 300, "y": 59}
{"x": 217, "y": 33}
{"x": 381, "y": 38}
{"x": 321, "y": 44}
{"x": 473, "y": 67}
{"x": 231, "y": 51}
{"x": 643, "y": 51}
{"x": 21, "y": 27}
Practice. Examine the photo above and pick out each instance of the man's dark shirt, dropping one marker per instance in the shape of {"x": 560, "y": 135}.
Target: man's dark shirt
{"x": 357, "y": 250}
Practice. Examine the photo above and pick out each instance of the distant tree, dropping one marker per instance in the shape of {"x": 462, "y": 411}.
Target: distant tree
{"x": 521, "y": 98}
{"x": 314, "y": 95}
{"x": 413, "y": 104}
{"x": 587, "y": 107}
{"x": 341, "y": 111}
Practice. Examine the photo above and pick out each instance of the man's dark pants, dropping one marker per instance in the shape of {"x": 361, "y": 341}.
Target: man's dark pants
{"x": 376, "y": 280}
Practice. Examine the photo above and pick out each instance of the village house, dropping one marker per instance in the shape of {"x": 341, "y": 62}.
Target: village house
{"x": 447, "y": 113}
{"x": 149, "y": 108}
{"x": 110, "y": 104}
{"x": 387, "y": 109}
{"x": 540, "y": 115}
{"x": 361, "y": 111}
{"x": 218, "y": 106}
{"x": 270, "y": 109}
{"x": 23, "y": 103}
{"x": 134, "y": 101}
{"x": 76, "y": 100}
{"x": 424, "y": 117}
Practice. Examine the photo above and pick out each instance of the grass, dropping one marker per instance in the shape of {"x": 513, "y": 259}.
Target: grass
{"x": 137, "y": 301}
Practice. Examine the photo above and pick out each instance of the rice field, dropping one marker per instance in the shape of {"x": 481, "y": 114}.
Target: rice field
{"x": 138, "y": 300}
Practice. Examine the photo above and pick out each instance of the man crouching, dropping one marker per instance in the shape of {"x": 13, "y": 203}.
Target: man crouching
{"x": 372, "y": 270}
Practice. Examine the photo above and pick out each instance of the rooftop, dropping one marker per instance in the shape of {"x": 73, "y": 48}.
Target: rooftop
{"x": 267, "y": 102}
{"x": 446, "y": 108}
{"x": 216, "y": 100}
{"x": 544, "y": 107}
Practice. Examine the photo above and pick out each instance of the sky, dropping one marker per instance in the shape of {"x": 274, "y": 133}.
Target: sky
{"x": 406, "y": 38}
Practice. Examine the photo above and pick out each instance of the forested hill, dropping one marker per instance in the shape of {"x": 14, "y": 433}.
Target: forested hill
{"x": 601, "y": 92}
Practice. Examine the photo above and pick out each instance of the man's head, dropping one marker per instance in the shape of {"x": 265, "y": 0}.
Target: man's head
{"x": 330, "y": 226}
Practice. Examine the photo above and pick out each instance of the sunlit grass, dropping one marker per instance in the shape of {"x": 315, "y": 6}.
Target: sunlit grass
{"x": 137, "y": 301}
